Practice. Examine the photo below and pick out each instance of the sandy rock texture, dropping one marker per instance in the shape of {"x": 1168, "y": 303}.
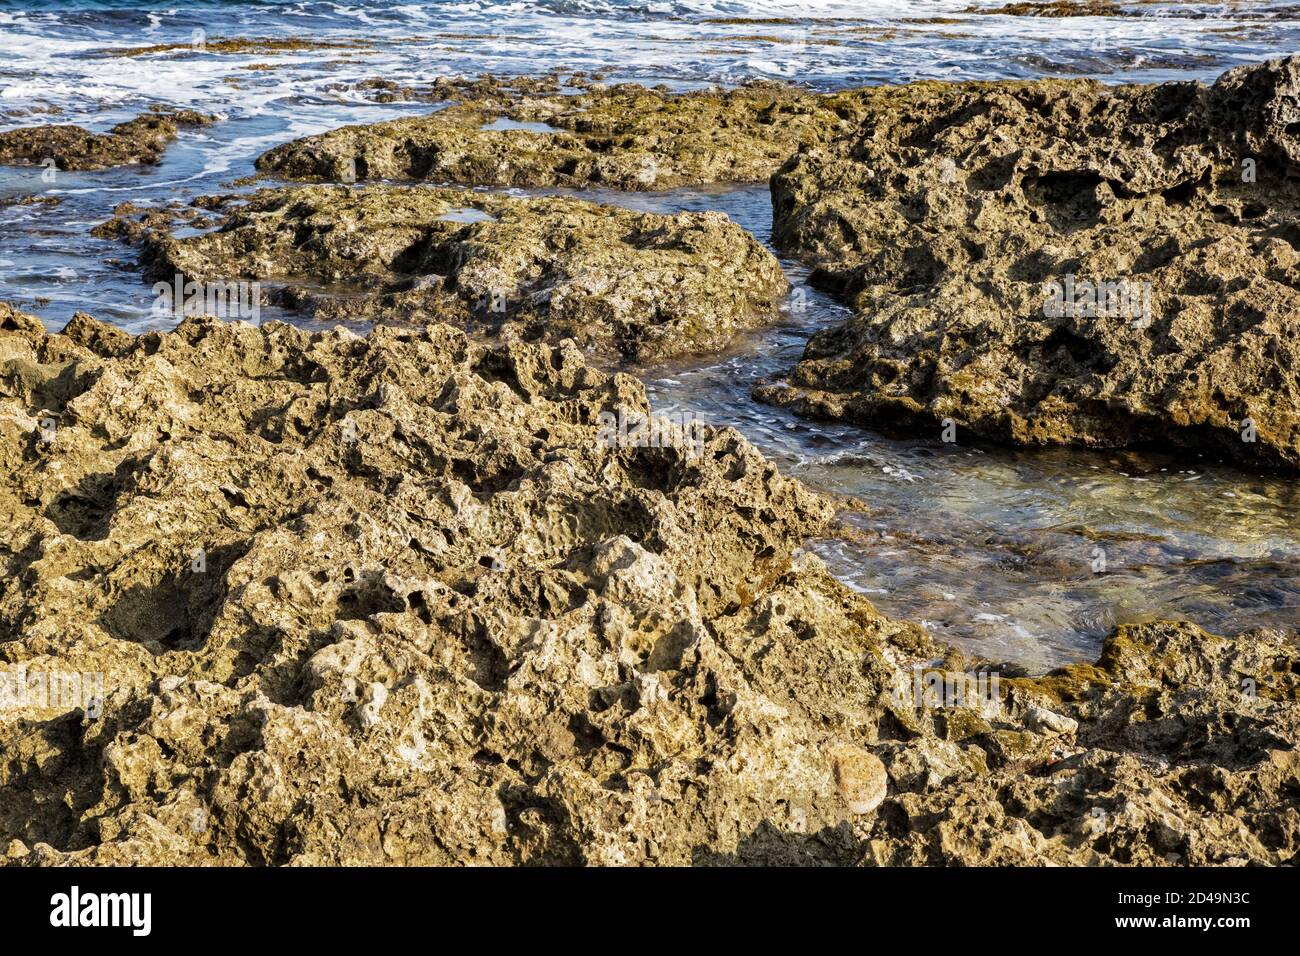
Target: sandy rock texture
{"x": 1176, "y": 748}
{"x": 139, "y": 140}
{"x": 620, "y": 137}
{"x": 639, "y": 285}
{"x": 966, "y": 223}
{"x": 392, "y": 599}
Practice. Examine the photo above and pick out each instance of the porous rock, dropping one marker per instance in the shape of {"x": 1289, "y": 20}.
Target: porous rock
{"x": 391, "y": 599}
{"x": 69, "y": 147}
{"x": 621, "y": 137}
{"x": 954, "y": 218}
{"x": 639, "y": 285}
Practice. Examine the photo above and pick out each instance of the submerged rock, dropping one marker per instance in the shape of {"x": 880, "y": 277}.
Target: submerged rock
{"x": 642, "y": 285}
{"x": 394, "y": 599}
{"x": 1055, "y": 8}
{"x": 140, "y": 140}
{"x": 235, "y": 45}
{"x": 622, "y": 137}
{"x": 1061, "y": 262}
{"x": 7, "y": 202}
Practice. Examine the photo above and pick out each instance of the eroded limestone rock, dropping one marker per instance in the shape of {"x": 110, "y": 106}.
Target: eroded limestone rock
{"x": 621, "y": 137}
{"x": 140, "y": 140}
{"x": 959, "y": 218}
{"x": 640, "y": 285}
{"x": 391, "y": 599}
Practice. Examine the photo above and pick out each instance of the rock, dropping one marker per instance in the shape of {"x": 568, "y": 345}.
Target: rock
{"x": 1055, "y": 8}
{"x": 622, "y": 137}
{"x": 969, "y": 224}
{"x": 9, "y": 201}
{"x": 235, "y": 45}
{"x": 860, "y": 778}
{"x": 139, "y": 140}
{"x": 389, "y": 599}
{"x": 1016, "y": 748}
{"x": 448, "y": 88}
{"x": 960, "y": 723}
{"x": 639, "y": 285}
{"x": 369, "y": 711}
{"x": 99, "y": 337}
{"x": 1043, "y": 721}
{"x": 332, "y": 563}
{"x": 133, "y": 223}
{"x": 931, "y": 766}
{"x": 13, "y": 320}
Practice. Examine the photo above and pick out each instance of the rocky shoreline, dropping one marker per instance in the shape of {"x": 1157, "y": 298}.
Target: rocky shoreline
{"x": 1061, "y": 262}
{"x": 634, "y": 285}
{"x": 408, "y": 598}
{"x": 394, "y": 599}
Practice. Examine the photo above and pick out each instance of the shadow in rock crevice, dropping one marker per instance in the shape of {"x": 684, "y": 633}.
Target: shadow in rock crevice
{"x": 769, "y": 846}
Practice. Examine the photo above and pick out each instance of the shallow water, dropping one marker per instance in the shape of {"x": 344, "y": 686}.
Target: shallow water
{"x": 1029, "y": 556}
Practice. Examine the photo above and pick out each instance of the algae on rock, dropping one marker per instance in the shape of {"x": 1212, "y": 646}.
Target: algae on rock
{"x": 139, "y": 140}
{"x": 621, "y": 137}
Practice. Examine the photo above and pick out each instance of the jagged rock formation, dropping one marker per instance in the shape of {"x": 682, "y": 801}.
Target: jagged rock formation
{"x": 399, "y": 599}
{"x": 1061, "y": 262}
{"x": 139, "y": 140}
{"x": 640, "y": 285}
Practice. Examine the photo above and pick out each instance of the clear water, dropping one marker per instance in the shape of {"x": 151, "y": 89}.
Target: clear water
{"x": 999, "y": 551}
{"x": 1031, "y": 556}
{"x": 467, "y": 214}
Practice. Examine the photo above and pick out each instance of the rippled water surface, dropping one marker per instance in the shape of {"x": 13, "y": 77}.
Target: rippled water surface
{"x": 1031, "y": 556}
{"x": 1025, "y": 555}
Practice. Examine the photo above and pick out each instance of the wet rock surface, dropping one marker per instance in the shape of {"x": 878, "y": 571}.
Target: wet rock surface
{"x": 1061, "y": 262}
{"x": 451, "y": 89}
{"x": 638, "y": 285}
{"x": 1055, "y": 8}
{"x": 139, "y": 140}
{"x": 234, "y": 45}
{"x": 621, "y": 137}
{"x": 392, "y": 599}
